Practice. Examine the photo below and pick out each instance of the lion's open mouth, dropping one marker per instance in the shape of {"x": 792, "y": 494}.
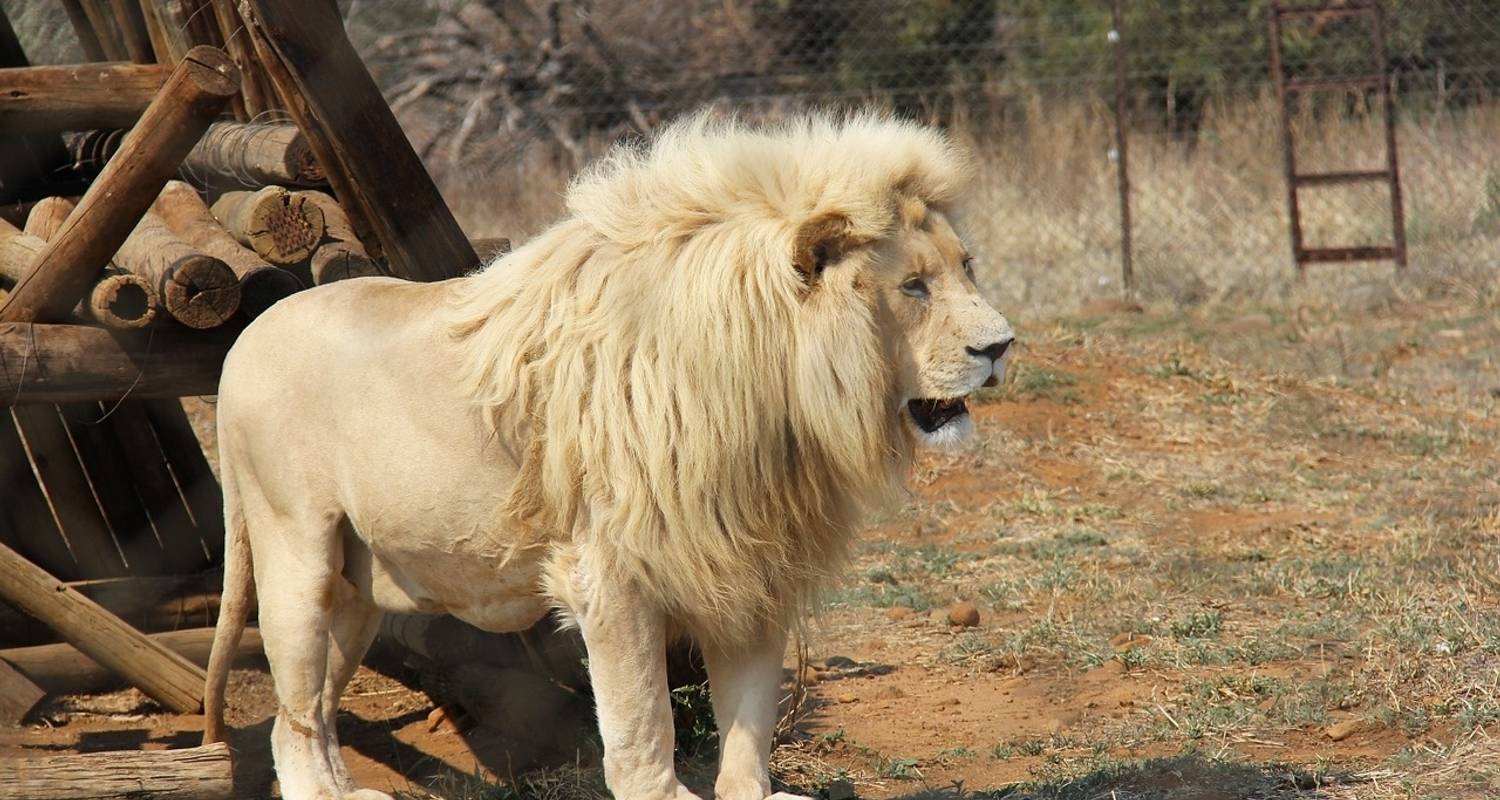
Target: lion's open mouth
{"x": 932, "y": 415}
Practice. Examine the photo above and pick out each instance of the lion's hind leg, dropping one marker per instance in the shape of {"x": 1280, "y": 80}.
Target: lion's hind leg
{"x": 355, "y": 621}
{"x": 296, "y": 571}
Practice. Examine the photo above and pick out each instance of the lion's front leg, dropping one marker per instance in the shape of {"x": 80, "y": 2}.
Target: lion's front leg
{"x": 746, "y": 685}
{"x": 625, "y": 637}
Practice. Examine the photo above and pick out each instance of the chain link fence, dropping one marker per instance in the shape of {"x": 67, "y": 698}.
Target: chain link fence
{"x": 521, "y": 92}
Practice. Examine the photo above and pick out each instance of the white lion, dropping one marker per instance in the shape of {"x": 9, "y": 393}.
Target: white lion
{"x": 661, "y": 417}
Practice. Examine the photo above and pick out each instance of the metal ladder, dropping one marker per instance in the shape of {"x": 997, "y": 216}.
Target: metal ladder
{"x": 1378, "y": 81}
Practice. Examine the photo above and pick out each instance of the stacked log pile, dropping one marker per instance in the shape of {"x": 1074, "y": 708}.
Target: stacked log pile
{"x": 149, "y": 212}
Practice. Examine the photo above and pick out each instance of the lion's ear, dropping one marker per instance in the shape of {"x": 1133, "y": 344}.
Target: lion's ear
{"x": 821, "y": 241}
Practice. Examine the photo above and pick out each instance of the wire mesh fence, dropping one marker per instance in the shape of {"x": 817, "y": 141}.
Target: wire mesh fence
{"x": 1030, "y": 84}
{"x": 506, "y": 99}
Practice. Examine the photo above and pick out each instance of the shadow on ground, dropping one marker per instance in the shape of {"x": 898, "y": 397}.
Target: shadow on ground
{"x": 1175, "y": 778}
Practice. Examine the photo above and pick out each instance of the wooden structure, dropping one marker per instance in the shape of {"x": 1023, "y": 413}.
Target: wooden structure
{"x": 124, "y": 297}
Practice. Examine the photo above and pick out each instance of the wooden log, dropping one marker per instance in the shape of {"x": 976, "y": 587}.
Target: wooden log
{"x": 25, "y": 511}
{"x": 281, "y": 227}
{"x": 152, "y": 603}
{"x": 63, "y": 669}
{"x": 93, "y": 49}
{"x": 119, "y": 300}
{"x": 101, "y": 23}
{"x": 261, "y": 284}
{"x": 63, "y": 363}
{"x": 132, "y": 23}
{"x": 254, "y": 92}
{"x": 196, "y": 773}
{"x": 77, "y": 97}
{"x": 379, "y": 175}
{"x": 230, "y": 152}
{"x": 340, "y": 255}
{"x": 18, "y": 695}
{"x": 196, "y": 289}
{"x": 193, "y": 94}
{"x": 163, "y": 675}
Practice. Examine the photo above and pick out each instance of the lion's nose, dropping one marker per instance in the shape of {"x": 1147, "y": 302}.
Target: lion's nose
{"x": 994, "y": 350}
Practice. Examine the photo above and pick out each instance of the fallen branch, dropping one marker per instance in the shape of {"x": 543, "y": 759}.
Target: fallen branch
{"x": 196, "y": 773}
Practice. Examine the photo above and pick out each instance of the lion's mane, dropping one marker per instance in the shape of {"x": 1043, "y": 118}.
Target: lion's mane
{"x": 684, "y": 405}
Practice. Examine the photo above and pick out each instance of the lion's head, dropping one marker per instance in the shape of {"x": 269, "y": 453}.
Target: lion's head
{"x": 729, "y": 347}
{"x": 940, "y": 338}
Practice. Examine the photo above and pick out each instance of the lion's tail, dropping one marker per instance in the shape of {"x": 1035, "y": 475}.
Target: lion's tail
{"x": 234, "y": 609}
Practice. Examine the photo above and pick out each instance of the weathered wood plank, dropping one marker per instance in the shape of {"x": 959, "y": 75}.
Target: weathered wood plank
{"x": 63, "y": 363}
{"x": 197, "y": 773}
{"x": 161, "y": 673}
{"x": 64, "y": 669}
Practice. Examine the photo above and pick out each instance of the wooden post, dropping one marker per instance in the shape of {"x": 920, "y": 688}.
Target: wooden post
{"x": 198, "y": 290}
{"x": 371, "y": 165}
{"x": 194, "y": 93}
{"x": 93, "y": 49}
{"x": 62, "y": 669}
{"x": 341, "y": 255}
{"x": 197, "y": 773}
{"x": 64, "y": 363}
{"x": 101, "y": 24}
{"x": 261, "y": 284}
{"x": 230, "y": 153}
{"x": 133, "y": 30}
{"x": 162, "y": 674}
{"x": 152, "y": 604}
{"x": 77, "y": 97}
{"x": 119, "y": 300}
{"x": 281, "y": 227}
{"x": 253, "y": 89}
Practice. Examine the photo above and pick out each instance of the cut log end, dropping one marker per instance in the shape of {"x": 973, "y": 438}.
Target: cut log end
{"x": 124, "y": 301}
{"x": 213, "y": 71}
{"x": 201, "y": 292}
{"x": 281, "y": 227}
{"x": 264, "y": 287}
{"x": 336, "y": 261}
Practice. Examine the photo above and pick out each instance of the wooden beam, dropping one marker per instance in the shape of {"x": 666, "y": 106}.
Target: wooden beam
{"x": 78, "y": 96}
{"x": 63, "y": 669}
{"x": 63, "y": 363}
{"x": 380, "y": 173}
{"x": 70, "y": 498}
{"x": 194, "y": 93}
{"x": 190, "y": 470}
{"x": 163, "y": 675}
{"x": 196, "y": 773}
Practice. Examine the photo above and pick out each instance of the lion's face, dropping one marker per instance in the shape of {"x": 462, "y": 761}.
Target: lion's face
{"x": 943, "y": 338}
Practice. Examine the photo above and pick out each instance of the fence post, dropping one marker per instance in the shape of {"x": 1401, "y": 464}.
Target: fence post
{"x": 1122, "y": 162}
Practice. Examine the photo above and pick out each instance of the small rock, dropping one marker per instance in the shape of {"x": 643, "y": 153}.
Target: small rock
{"x": 963, "y": 614}
{"x": 947, "y": 701}
{"x": 442, "y": 717}
{"x": 839, "y": 662}
{"x": 898, "y": 613}
{"x": 810, "y": 676}
{"x": 1340, "y": 731}
{"x": 846, "y": 697}
{"x": 841, "y": 790}
{"x": 889, "y": 693}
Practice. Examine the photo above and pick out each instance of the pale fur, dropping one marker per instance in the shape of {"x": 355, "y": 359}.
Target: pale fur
{"x": 658, "y": 354}
{"x": 662, "y": 416}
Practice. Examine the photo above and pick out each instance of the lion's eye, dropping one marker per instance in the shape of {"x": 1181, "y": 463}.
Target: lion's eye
{"x": 914, "y": 287}
{"x": 969, "y": 267}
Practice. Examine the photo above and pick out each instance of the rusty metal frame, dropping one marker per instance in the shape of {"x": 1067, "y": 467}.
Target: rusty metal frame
{"x": 1285, "y": 87}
